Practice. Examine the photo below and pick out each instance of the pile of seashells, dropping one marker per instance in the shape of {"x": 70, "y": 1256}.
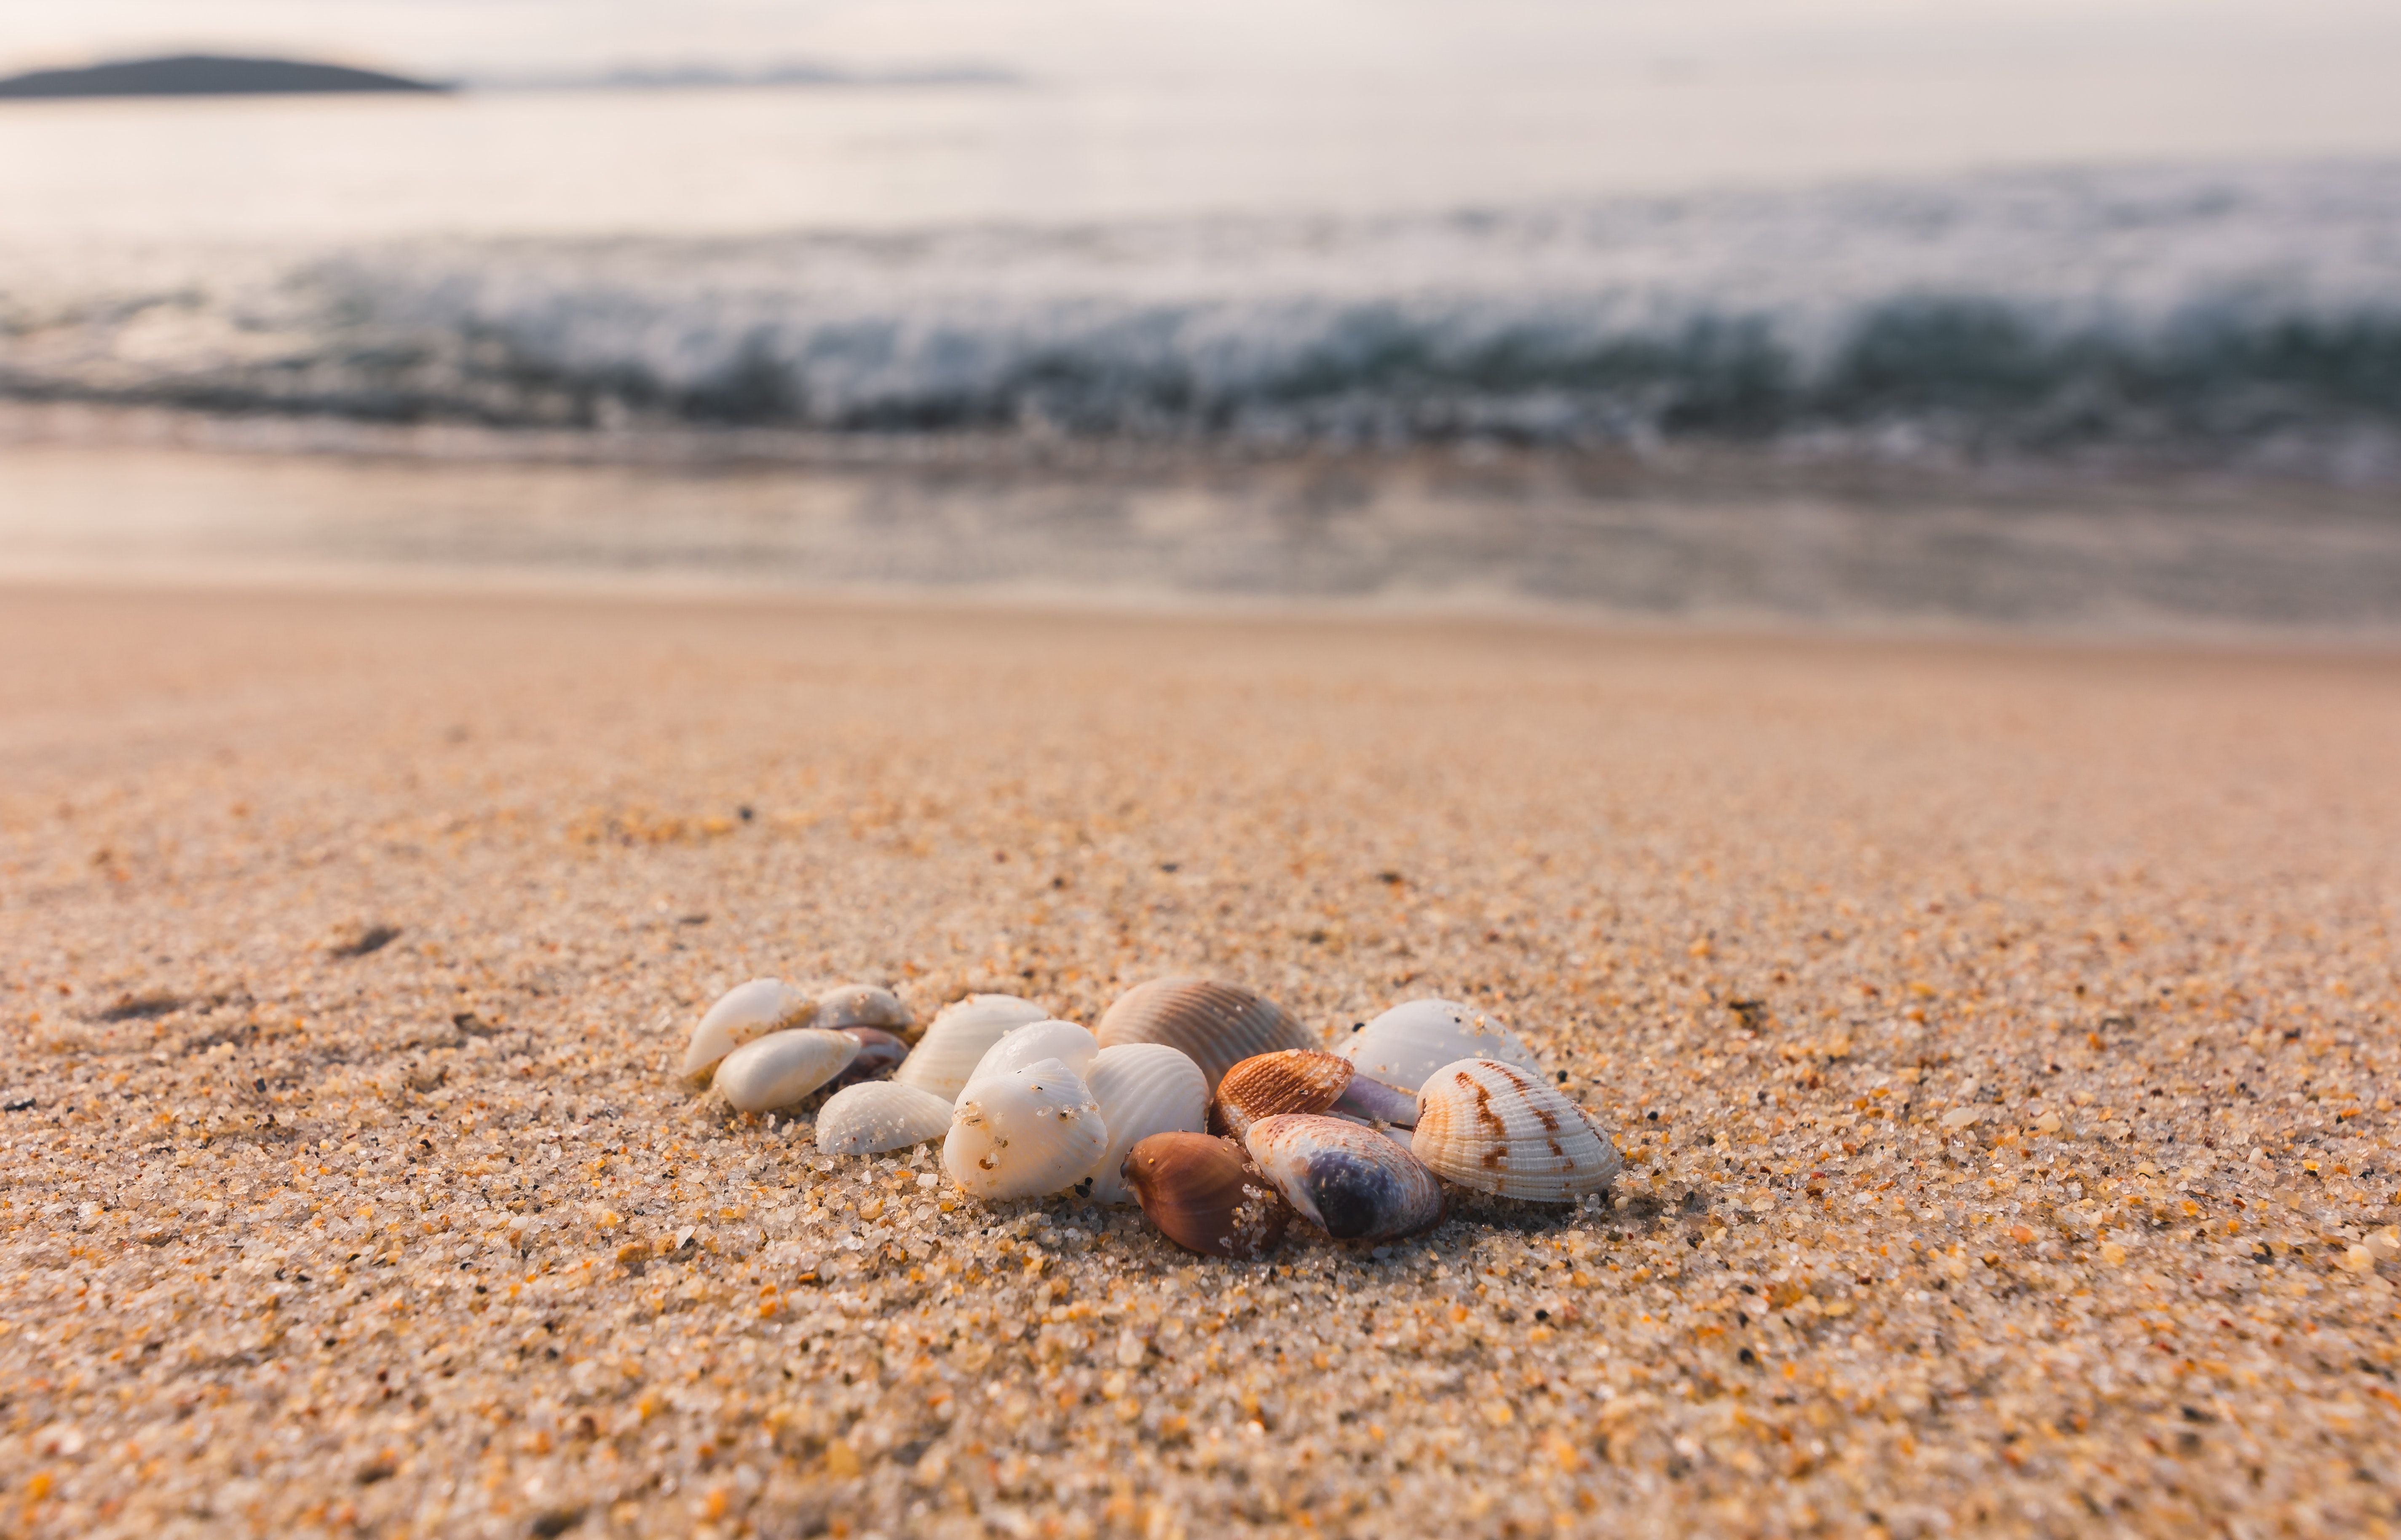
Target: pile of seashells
{"x": 1203, "y": 1102}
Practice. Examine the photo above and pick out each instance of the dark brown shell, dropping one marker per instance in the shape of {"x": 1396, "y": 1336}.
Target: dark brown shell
{"x": 879, "y": 1055}
{"x": 1206, "y": 1195}
{"x": 1218, "y": 1024}
{"x": 1292, "y": 1080}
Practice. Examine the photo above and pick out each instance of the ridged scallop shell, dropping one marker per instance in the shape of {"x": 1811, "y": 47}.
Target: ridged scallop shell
{"x": 863, "y": 1005}
{"x": 1498, "y": 1128}
{"x": 874, "y": 1116}
{"x": 1353, "y": 1183}
{"x": 1218, "y": 1024}
{"x": 1303, "y": 1080}
{"x": 962, "y": 1033}
{"x": 1064, "y": 1041}
{"x": 1205, "y": 1194}
{"x": 743, "y": 1014}
{"x": 1023, "y": 1133}
{"x": 1407, "y": 1044}
{"x": 783, "y": 1068}
{"x": 1143, "y": 1089}
{"x": 1291, "y": 1080}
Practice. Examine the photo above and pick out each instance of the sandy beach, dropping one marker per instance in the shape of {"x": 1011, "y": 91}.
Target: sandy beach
{"x": 2000, "y": 1035}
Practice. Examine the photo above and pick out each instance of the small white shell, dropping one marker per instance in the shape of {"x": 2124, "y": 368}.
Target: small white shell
{"x": 862, "y": 1005}
{"x": 1064, "y": 1041}
{"x": 1498, "y": 1128}
{"x": 742, "y": 1013}
{"x": 783, "y": 1068}
{"x": 874, "y": 1116}
{"x": 1407, "y": 1044}
{"x": 962, "y": 1033}
{"x": 1143, "y": 1089}
{"x": 1024, "y": 1133}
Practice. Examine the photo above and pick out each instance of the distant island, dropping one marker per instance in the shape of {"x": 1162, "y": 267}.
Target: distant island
{"x": 204, "y": 74}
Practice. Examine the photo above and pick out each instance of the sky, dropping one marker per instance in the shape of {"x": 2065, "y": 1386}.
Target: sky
{"x": 1168, "y": 39}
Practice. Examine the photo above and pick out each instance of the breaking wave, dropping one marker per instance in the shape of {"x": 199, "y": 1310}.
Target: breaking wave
{"x": 2204, "y": 307}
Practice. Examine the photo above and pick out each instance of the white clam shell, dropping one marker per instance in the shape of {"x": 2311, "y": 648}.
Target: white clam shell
{"x": 862, "y": 1005}
{"x": 1407, "y": 1044}
{"x": 1064, "y": 1041}
{"x": 874, "y": 1116}
{"x": 783, "y": 1068}
{"x": 1143, "y": 1089}
{"x": 742, "y": 1013}
{"x": 1499, "y": 1128}
{"x": 962, "y": 1033}
{"x": 1023, "y": 1133}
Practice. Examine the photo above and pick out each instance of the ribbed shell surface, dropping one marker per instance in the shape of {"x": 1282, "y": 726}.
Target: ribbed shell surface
{"x": 1143, "y": 1089}
{"x": 1218, "y": 1024}
{"x": 961, "y": 1035}
{"x": 878, "y": 1115}
{"x": 1498, "y": 1128}
{"x": 1292, "y": 1080}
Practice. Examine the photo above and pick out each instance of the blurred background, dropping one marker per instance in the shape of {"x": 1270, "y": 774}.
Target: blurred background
{"x": 2015, "y": 312}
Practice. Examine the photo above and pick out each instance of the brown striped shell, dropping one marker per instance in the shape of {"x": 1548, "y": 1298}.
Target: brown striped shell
{"x": 1303, "y": 1080}
{"x": 1218, "y": 1024}
{"x": 1293, "y": 1079}
{"x": 1206, "y": 1195}
{"x": 1498, "y": 1128}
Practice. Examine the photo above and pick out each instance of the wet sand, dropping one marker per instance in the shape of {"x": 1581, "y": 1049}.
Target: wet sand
{"x": 1725, "y": 540}
{"x": 2001, "y": 1036}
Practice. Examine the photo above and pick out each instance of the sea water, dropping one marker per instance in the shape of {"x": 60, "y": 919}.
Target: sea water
{"x": 1296, "y": 327}
{"x": 1624, "y": 260}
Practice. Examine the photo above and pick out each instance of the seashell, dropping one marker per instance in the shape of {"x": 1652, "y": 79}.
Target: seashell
{"x": 1064, "y": 1041}
{"x": 1218, "y": 1024}
{"x": 863, "y": 1005}
{"x": 1205, "y": 1194}
{"x": 742, "y": 1013}
{"x": 1352, "y": 1182}
{"x": 783, "y": 1068}
{"x": 962, "y": 1033}
{"x": 1407, "y": 1044}
{"x": 1302, "y": 1079}
{"x": 1023, "y": 1133}
{"x": 1499, "y": 1128}
{"x": 874, "y": 1116}
{"x": 1143, "y": 1089}
{"x": 879, "y": 1055}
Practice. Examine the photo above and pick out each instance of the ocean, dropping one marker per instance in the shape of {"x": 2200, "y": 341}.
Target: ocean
{"x": 1644, "y": 273}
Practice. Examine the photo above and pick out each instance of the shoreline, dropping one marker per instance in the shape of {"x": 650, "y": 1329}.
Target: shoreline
{"x": 2213, "y": 563}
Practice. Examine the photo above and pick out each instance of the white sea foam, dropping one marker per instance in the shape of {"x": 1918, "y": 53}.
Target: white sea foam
{"x": 2032, "y": 309}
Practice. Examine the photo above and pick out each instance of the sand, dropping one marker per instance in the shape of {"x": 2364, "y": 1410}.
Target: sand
{"x": 2002, "y": 1039}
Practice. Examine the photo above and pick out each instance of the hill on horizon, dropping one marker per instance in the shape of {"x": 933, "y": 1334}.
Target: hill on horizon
{"x": 204, "y": 74}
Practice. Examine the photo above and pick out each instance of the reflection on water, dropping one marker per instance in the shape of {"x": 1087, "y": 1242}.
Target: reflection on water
{"x": 1428, "y": 532}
